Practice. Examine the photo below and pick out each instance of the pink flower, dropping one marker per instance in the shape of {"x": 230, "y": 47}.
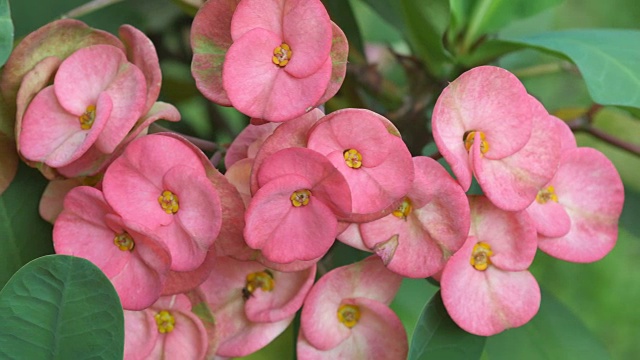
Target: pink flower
{"x": 367, "y": 149}
{"x": 160, "y": 183}
{"x": 281, "y": 57}
{"x": 485, "y": 124}
{"x": 576, "y": 213}
{"x": 432, "y": 222}
{"x": 136, "y": 263}
{"x": 485, "y": 285}
{"x": 96, "y": 97}
{"x": 293, "y": 216}
{"x": 346, "y": 315}
{"x": 251, "y": 304}
{"x": 166, "y": 330}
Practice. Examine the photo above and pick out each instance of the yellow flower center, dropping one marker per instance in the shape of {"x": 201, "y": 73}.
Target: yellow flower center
{"x": 124, "y": 242}
{"x": 404, "y": 209}
{"x": 87, "y": 119}
{"x": 547, "y": 194}
{"x": 169, "y": 202}
{"x": 165, "y": 322}
{"x": 300, "y": 197}
{"x": 258, "y": 280}
{"x": 352, "y": 158}
{"x": 348, "y": 315}
{"x": 480, "y": 256}
{"x": 282, "y": 55}
{"x": 470, "y": 136}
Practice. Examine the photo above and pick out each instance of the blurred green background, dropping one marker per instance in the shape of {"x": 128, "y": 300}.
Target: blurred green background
{"x": 604, "y": 295}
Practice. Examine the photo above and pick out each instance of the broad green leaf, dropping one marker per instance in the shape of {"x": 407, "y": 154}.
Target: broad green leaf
{"x": 554, "y": 333}
{"x": 6, "y": 31}
{"x": 491, "y": 15}
{"x": 60, "y": 307}
{"x": 437, "y": 337}
{"x": 606, "y": 58}
{"x": 24, "y": 236}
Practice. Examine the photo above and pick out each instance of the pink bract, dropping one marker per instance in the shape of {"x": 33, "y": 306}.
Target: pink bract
{"x": 370, "y": 287}
{"x": 384, "y": 172}
{"x": 88, "y": 228}
{"x": 154, "y": 166}
{"x": 589, "y": 196}
{"x": 485, "y": 123}
{"x": 97, "y": 78}
{"x": 247, "y": 321}
{"x": 431, "y": 224}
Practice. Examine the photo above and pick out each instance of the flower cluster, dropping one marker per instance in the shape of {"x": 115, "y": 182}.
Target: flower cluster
{"x": 207, "y": 264}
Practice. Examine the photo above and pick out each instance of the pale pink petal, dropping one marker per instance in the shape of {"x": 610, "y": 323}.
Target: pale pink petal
{"x": 567, "y": 139}
{"x": 550, "y": 219}
{"x": 140, "y": 334}
{"x": 512, "y": 183}
{"x": 251, "y": 14}
{"x": 259, "y": 88}
{"x": 85, "y": 74}
{"x": 248, "y": 142}
{"x": 239, "y": 174}
{"x": 307, "y": 30}
{"x": 52, "y": 135}
{"x": 591, "y": 191}
{"x": 339, "y": 53}
{"x": 352, "y": 237}
{"x": 487, "y": 302}
{"x": 379, "y": 334}
{"x": 286, "y": 233}
{"x": 511, "y": 235}
{"x": 53, "y": 196}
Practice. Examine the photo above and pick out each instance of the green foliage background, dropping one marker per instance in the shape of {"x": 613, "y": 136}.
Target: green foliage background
{"x": 602, "y": 295}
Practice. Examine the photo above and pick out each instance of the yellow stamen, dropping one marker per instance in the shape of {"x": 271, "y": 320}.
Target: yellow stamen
{"x": 165, "y": 322}
{"x": 300, "y": 197}
{"x": 352, "y": 158}
{"x": 348, "y": 315}
{"x": 544, "y": 195}
{"x": 470, "y": 136}
{"x": 404, "y": 209}
{"x": 258, "y": 280}
{"x": 480, "y": 256}
{"x": 282, "y": 55}
{"x": 169, "y": 202}
{"x": 87, "y": 119}
{"x": 124, "y": 242}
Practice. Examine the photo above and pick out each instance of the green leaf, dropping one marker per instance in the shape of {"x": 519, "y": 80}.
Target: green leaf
{"x": 606, "y": 58}
{"x": 554, "y": 333}
{"x": 437, "y": 337}
{"x": 24, "y": 236}
{"x": 6, "y": 31}
{"x": 491, "y": 15}
{"x": 60, "y": 307}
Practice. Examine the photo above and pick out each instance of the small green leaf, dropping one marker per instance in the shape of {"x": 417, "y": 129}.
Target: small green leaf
{"x": 6, "y": 31}
{"x": 24, "y": 236}
{"x": 60, "y": 307}
{"x": 606, "y": 58}
{"x": 437, "y": 337}
{"x": 554, "y": 333}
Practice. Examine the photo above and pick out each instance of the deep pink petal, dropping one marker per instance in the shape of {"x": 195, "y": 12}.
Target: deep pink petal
{"x": 567, "y": 139}
{"x": 52, "y": 135}
{"x": 379, "y": 334}
{"x": 286, "y": 233}
{"x": 178, "y": 282}
{"x": 512, "y": 182}
{"x": 339, "y": 53}
{"x": 307, "y": 30}
{"x": 591, "y": 191}
{"x": 487, "y": 302}
{"x": 259, "y": 88}
{"x": 511, "y": 235}
{"x": 251, "y": 14}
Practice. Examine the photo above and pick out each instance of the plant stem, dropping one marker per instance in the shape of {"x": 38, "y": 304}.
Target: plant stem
{"x": 89, "y": 7}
